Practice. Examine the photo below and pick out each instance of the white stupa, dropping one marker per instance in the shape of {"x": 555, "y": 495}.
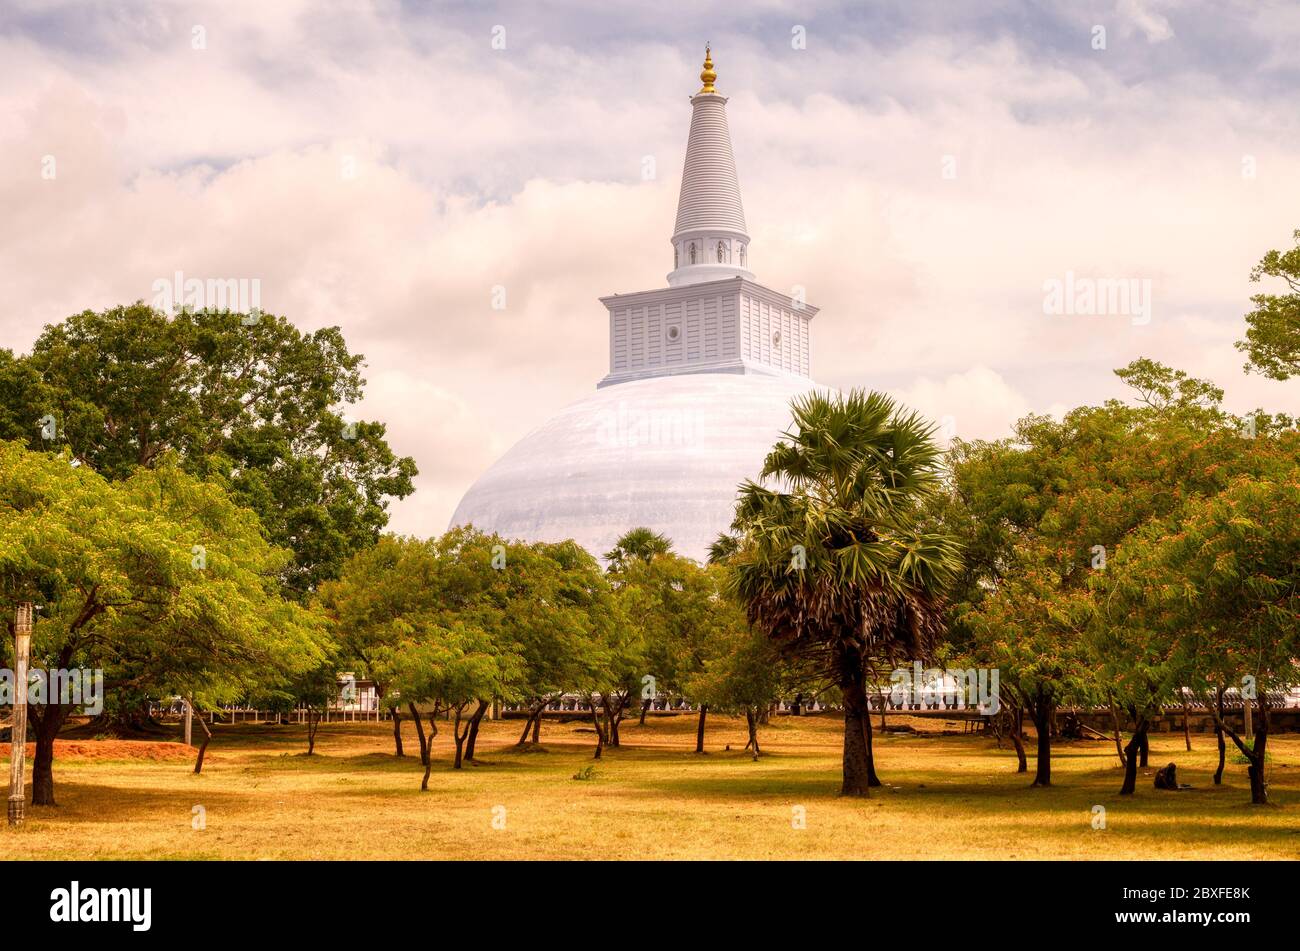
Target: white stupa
{"x": 701, "y": 375}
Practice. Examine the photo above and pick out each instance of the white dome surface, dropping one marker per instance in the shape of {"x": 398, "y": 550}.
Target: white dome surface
{"x": 666, "y": 453}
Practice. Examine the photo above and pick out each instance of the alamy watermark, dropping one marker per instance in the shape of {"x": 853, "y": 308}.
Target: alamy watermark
{"x": 626, "y": 426}
{"x": 955, "y": 688}
{"x": 78, "y": 687}
{"x": 242, "y": 295}
{"x": 1098, "y": 297}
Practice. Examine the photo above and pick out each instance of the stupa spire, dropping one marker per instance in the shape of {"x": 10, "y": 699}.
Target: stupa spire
{"x": 709, "y": 240}
{"x": 707, "y": 75}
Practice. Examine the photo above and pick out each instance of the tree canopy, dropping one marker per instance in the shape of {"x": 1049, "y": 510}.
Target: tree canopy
{"x": 160, "y": 580}
{"x": 1272, "y": 343}
{"x": 1045, "y": 514}
{"x": 255, "y": 403}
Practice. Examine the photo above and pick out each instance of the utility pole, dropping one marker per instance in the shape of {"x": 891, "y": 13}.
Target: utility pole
{"x": 18, "y": 732}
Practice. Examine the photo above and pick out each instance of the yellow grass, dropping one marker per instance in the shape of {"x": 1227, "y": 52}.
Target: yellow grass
{"x": 946, "y": 797}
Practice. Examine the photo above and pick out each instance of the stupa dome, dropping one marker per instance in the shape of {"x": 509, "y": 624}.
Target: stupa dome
{"x": 701, "y": 376}
{"x": 666, "y": 453}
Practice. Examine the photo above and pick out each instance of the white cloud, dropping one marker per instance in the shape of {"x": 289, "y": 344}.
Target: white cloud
{"x": 522, "y": 169}
{"x": 975, "y": 404}
{"x": 1154, "y": 26}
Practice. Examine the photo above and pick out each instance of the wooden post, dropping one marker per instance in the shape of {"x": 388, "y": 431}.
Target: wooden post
{"x": 18, "y": 733}
{"x": 189, "y": 722}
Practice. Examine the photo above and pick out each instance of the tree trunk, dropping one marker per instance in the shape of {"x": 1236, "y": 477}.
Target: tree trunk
{"x": 751, "y": 720}
{"x": 1255, "y": 754}
{"x": 699, "y": 729}
{"x": 615, "y": 717}
{"x": 1144, "y": 751}
{"x": 1131, "y": 757}
{"x": 600, "y": 731}
{"x": 474, "y": 721}
{"x": 1018, "y": 740}
{"x": 1043, "y": 727}
{"x": 203, "y": 747}
{"x": 419, "y": 732}
{"x": 1119, "y": 743}
{"x": 1258, "y": 786}
{"x": 858, "y": 771}
{"x": 872, "y": 778}
{"x": 313, "y": 724}
{"x": 427, "y": 746}
{"x": 528, "y": 725}
{"x": 397, "y": 732}
{"x": 46, "y": 727}
{"x": 645, "y": 705}
{"x": 1187, "y": 724}
{"x": 1218, "y": 733}
{"x": 460, "y": 737}
{"x": 1223, "y": 752}
{"x": 537, "y": 727}
{"x": 1022, "y": 761}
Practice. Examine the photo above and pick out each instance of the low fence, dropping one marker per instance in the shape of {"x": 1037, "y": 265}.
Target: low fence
{"x": 1284, "y": 715}
{"x": 1198, "y": 721}
{"x": 344, "y": 713}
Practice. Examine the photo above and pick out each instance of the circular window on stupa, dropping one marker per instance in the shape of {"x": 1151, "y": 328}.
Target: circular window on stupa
{"x": 674, "y": 332}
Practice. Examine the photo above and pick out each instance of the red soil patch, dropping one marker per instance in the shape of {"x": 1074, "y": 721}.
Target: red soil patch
{"x": 119, "y": 750}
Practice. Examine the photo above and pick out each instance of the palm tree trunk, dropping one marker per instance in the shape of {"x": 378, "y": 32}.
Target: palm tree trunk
{"x": 872, "y": 778}
{"x": 858, "y": 768}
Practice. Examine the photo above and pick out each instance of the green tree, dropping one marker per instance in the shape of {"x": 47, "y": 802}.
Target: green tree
{"x": 679, "y": 609}
{"x": 1040, "y": 514}
{"x": 444, "y": 669}
{"x": 743, "y": 673}
{"x": 314, "y": 690}
{"x": 549, "y": 604}
{"x": 1031, "y": 630}
{"x": 612, "y": 675}
{"x": 1272, "y": 344}
{"x": 1210, "y": 598}
{"x": 256, "y": 405}
{"x": 835, "y": 565}
{"x": 161, "y": 581}
{"x": 369, "y": 603}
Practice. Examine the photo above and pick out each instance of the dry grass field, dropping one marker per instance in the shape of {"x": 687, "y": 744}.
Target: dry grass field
{"x": 947, "y": 796}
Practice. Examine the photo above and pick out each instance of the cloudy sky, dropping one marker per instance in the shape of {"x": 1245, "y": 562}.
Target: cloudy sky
{"x": 923, "y": 169}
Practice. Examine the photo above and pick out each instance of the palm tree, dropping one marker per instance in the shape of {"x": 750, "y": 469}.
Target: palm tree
{"x": 723, "y": 547}
{"x": 834, "y": 563}
{"x": 637, "y": 544}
